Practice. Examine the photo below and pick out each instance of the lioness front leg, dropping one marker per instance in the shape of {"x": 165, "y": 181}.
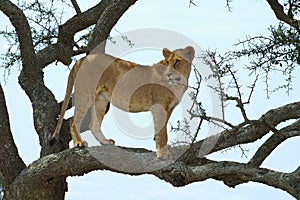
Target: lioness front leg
{"x": 160, "y": 118}
{"x": 161, "y": 140}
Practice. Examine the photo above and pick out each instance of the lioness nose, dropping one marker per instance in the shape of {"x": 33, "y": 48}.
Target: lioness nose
{"x": 169, "y": 74}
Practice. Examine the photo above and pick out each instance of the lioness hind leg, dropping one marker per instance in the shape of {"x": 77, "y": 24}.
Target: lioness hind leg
{"x": 98, "y": 111}
{"x": 75, "y": 135}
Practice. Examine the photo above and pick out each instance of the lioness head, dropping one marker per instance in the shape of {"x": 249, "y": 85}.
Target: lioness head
{"x": 179, "y": 64}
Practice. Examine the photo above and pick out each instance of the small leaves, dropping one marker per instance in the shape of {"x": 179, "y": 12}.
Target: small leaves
{"x": 269, "y": 55}
{"x": 44, "y": 18}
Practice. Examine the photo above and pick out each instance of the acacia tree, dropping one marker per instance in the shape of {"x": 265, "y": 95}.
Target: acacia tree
{"x": 54, "y": 41}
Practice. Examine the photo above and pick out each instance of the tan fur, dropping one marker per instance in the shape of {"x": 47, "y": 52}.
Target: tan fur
{"x": 100, "y": 79}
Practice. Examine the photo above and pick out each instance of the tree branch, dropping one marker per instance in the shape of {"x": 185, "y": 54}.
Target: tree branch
{"x": 108, "y": 18}
{"x": 8, "y": 152}
{"x": 242, "y": 135}
{"x": 63, "y": 49}
{"x": 73, "y": 162}
{"x": 105, "y": 14}
{"x": 274, "y": 141}
{"x": 19, "y": 21}
{"x": 231, "y": 172}
{"x": 279, "y": 12}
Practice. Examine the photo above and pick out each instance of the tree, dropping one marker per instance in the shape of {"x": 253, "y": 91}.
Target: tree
{"x": 55, "y": 41}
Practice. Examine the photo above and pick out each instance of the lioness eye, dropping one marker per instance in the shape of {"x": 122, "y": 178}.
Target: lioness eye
{"x": 167, "y": 62}
{"x": 176, "y": 62}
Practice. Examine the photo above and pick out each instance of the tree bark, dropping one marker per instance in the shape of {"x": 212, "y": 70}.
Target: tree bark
{"x": 8, "y": 151}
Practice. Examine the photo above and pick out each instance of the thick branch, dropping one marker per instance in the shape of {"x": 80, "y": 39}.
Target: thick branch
{"x": 280, "y": 14}
{"x": 109, "y": 17}
{"x": 8, "y": 152}
{"x": 131, "y": 161}
{"x": 76, "y": 161}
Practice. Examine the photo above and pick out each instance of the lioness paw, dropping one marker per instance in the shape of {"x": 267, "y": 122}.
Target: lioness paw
{"x": 79, "y": 144}
{"x": 163, "y": 153}
{"x": 108, "y": 142}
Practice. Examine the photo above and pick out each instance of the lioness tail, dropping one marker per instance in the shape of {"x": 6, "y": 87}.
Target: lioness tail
{"x": 71, "y": 80}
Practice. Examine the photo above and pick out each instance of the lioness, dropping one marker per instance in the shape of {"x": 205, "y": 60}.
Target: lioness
{"x": 100, "y": 79}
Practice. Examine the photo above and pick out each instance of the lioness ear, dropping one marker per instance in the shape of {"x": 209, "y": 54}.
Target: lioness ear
{"x": 190, "y": 52}
{"x": 166, "y": 52}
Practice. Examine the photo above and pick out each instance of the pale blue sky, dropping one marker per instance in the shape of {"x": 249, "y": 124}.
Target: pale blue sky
{"x": 211, "y": 26}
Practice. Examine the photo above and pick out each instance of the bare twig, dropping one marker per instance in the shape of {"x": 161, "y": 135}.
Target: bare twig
{"x": 252, "y": 89}
{"x": 191, "y": 3}
{"x": 215, "y": 119}
{"x": 240, "y": 105}
{"x": 228, "y": 6}
{"x": 239, "y": 146}
{"x": 214, "y": 65}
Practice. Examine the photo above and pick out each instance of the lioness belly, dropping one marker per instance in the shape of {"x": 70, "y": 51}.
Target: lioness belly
{"x": 135, "y": 103}
{"x": 143, "y": 98}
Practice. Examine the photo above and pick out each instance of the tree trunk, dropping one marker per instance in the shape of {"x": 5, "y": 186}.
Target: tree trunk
{"x": 53, "y": 190}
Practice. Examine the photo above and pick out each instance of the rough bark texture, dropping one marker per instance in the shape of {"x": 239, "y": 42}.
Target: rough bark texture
{"x": 46, "y": 177}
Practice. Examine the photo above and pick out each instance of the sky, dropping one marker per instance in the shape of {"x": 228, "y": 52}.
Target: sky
{"x": 211, "y": 26}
